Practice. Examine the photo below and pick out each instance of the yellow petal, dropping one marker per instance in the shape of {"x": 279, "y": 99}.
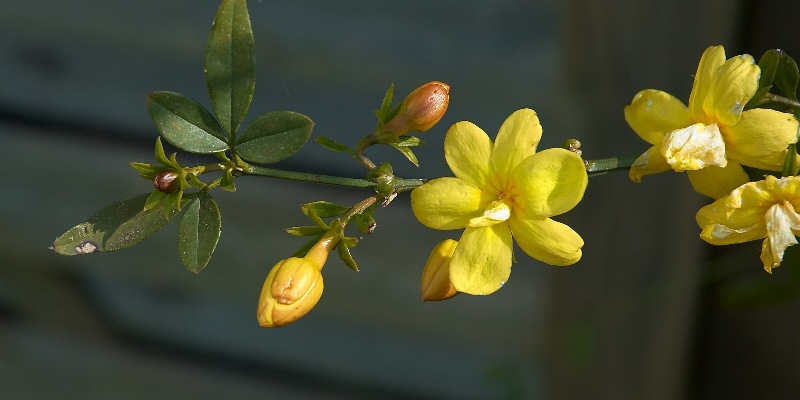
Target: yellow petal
{"x": 736, "y": 218}
{"x": 516, "y": 140}
{"x": 448, "y": 203}
{"x": 760, "y": 138}
{"x": 781, "y": 220}
{"x": 654, "y": 113}
{"x": 716, "y": 182}
{"x": 481, "y": 263}
{"x": 547, "y": 240}
{"x": 695, "y": 147}
{"x": 650, "y": 162}
{"x": 735, "y": 82}
{"x": 711, "y": 60}
{"x": 548, "y": 183}
{"x": 467, "y": 150}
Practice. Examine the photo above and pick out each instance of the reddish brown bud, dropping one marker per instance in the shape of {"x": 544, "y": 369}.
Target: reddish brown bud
{"x": 167, "y": 182}
{"x": 421, "y": 109}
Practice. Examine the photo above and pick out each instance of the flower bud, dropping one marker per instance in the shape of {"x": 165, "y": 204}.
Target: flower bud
{"x": 421, "y": 109}
{"x": 435, "y": 283}
{"x": 292, "y": 288}
{"x": 167, "y": 182}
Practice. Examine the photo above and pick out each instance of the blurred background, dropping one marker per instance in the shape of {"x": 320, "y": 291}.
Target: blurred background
{"x": 651, "y": 311}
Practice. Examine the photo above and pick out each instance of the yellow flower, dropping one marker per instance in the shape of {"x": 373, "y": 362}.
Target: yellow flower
{"x": 435, "y": 282}
{"x": 501, "y": 191}
{"x": 713, "y": 137}
{"x": 754, "y": 211}
{"x": 294, "y": 286}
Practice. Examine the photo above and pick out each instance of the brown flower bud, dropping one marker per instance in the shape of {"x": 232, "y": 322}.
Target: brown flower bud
{"x": 435, "y": 283}
{"x": 421, "y": 109}
{"x": 292, "y": 288}
{"x": 167, "y": 182}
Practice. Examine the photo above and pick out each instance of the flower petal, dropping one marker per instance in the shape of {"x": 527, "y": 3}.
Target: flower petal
{"x": 735, "y": 82}
{"x": 547, "y": 240}
{"x": 481, "y": 263}
{"x": 716, "y": 182}
{"x": 654, "y": 113}
{"x": 695, "y": 147}
{"x": 711, "y": 60}
{"x": 736, "y": 218}
{"x": 760, "y": 138}
{"x": 781, "y": 220}
{"x": 467, "y": 150}
{"x": 448, "y": 203}
{"x": 650, "y": 162}
{"x": 516, "y": 140}
{"x": 548, "y": 183}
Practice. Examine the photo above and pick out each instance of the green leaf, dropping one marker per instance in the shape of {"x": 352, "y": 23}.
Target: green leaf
{"x": 118, "y": 226}
{"x": 410, "y": 141}
{"x": 787, "y": 76}
{"x": 790, "y": 162}
{"x": 226, "y": 183}
{"x": 198, "y": 231}
{"x": 185, "y": 123}
{"x": 156, "y": 197}
{"x": 274, "y": 136}
{"x": 768, "y": 63}
{"x": 303, "y": 250}
{"x": 160, "y": 155}
{"x": 230, "y": 64}
{"x": 147, "y": 171}
{"x": 324, "y": 209}
{"x": 333, "y": 145}
{"x": 407, "y": 153}
{"x": 344, "y": 255}
{"x": 306, "y": 231}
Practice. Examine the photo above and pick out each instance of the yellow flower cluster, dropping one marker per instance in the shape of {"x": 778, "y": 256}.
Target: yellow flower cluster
{"x": 711, "y": 140}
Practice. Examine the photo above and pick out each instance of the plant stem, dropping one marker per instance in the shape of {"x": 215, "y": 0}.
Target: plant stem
{"x": 599, "y": 167}
{"x": 308, "y": 177}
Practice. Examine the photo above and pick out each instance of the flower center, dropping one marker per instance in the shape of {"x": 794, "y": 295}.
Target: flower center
{"x": 694, "y": 147}
{"x": 494, "y": 213}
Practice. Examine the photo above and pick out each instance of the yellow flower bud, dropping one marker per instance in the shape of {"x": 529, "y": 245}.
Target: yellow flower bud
{"x": 291, "y": 290}
{"x": 421, "y": 109}
{"x": 294, "y": 285}
{"x": 435, "y": 283}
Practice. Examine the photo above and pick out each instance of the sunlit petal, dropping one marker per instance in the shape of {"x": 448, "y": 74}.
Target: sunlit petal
{"x": 735, "y": 82}
{"x": 481, "y": 263}
{"x": 448, "y": 203}
{"x": 712, "y": 59}
{"x": 547, "y": 240}
{"x": 760, "y": 138}
{"x": 716, "y": 182}
{"x": 549, "y": 183}
{"x": 516, "y": 141}
{"x": 653, "y": 113}
{"x": 650, "y": 162}
{"x": 467, "y": 150}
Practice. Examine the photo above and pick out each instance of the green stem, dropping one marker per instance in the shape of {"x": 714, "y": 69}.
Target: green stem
{"x": 308, "y": 177}
{"x": 775, "y": 99}
{"x": 599, "y": 167}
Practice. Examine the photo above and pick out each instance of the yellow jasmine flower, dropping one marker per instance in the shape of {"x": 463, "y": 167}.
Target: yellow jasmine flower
{"x": 501, "y": 191}
{"x": 713, "y": 137}
{"x": 754, "y": 211}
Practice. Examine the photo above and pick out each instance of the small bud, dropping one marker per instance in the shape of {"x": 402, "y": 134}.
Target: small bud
{"x": 435, "y": 283}
{"x": 292, "y": 288}
{"x": 573, "y": 145}
{"x": 167, "y": 182}
{"x": 421, "y": 109}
